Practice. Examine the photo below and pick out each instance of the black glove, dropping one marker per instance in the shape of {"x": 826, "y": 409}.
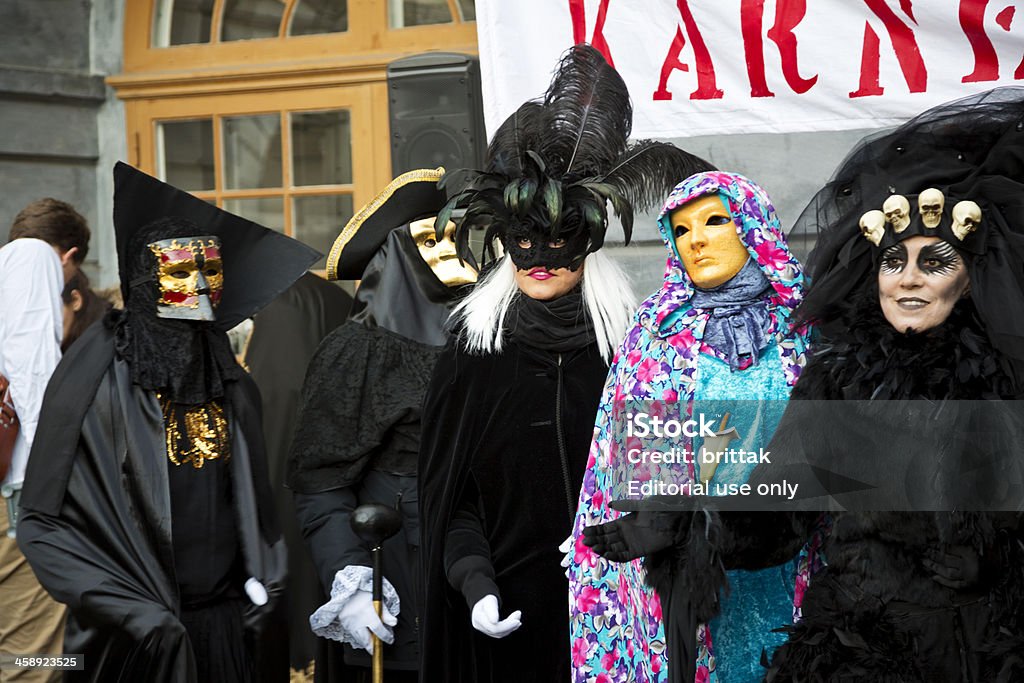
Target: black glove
{"x": 957, "y": 567}
{"x": 635, "y": 535}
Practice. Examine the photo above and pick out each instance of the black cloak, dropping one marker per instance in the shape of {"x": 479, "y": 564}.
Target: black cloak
{"x": 285, "y": 336}
{"x": 100, "y": 526}
{"x": 358, "y": 433}
{"x": 493, "y": 429}
{"x": 106, "y": 550}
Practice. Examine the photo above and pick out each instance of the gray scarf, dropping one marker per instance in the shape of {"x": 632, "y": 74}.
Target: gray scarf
{"x": 739, "y": 322}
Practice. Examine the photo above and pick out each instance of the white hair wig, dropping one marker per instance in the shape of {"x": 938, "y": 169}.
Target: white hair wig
{"x": 607, "y": 295}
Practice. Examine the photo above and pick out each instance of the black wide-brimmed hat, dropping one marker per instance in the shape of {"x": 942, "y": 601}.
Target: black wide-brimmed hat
{"x": 409, "y": 197}
{"x": 259, "y": 263}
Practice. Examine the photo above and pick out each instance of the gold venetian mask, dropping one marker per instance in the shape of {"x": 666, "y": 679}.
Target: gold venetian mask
{"x": 706, "y": 239}
{"x": 440, "y": 254}
{"x": 190, "y": 276}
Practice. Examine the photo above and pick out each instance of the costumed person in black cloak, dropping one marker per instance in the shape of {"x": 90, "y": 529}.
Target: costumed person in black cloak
{"x": 358, "y": 436}
{"x": 146, "y": 508}
{"x": 918, "y": 302}
{"x": 284, "y": 337}
{"x": 509, "y": 414}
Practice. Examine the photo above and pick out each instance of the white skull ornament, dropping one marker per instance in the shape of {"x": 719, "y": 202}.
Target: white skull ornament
{"x": 872, "y": 226}
{"x": 930, "y": 203}
{"x": 966, "y": 216}
{"x": 897, "y": 212}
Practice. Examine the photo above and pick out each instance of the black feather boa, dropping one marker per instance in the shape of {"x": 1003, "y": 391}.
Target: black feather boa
{"x": 861, "y": 356}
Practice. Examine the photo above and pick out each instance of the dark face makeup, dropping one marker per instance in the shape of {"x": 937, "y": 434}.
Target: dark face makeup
{"x": 919, "y": 281}
{"x": 190, "y": 275}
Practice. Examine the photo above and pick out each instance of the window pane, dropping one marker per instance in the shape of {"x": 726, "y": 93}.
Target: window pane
{"x": 244, "y": 19}
{"x": 322, "y": 148}
{"x": 319, "y": 16}
{"x": 318, "y": 220}
{"x": 403, "y": 13}
{"x": 185, "y": 154}
{"x": 267, "y": 211}
{"x": 181, "y": 22}
{"x": 467, "y": 8}
{"x": 252, "y": 151}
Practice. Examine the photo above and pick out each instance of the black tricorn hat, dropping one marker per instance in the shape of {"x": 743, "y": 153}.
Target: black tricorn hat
{"x": 259, "y": 263}
{"x": 409, "y": 197}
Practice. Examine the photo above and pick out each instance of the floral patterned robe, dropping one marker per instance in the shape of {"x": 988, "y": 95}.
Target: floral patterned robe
{"x": 616, "y": 629}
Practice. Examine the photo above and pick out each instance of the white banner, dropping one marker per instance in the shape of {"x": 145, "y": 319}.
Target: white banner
{"x": 701, "y": 67}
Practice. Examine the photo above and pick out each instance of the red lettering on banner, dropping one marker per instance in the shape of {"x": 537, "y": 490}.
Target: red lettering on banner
{"x": 788, "y": 14}
{"x": 751, "y": 21}
{"x": 986, "y": 61}
{"x": 869, "y": 66}
{"x": 707, "y": 88}
{"x": 904, "y": 44}
{"x": 578, "y": 13}
{"x": 1005, "y": 18}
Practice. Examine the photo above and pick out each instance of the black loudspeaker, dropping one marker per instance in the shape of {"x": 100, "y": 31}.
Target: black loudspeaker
{"x": 436, "y": 112}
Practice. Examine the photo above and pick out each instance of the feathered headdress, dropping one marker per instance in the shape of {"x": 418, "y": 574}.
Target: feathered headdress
{"x": 555, "y": 163}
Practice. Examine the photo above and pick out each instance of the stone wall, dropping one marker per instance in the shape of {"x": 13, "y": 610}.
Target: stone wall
{"x": 59, "y": 122}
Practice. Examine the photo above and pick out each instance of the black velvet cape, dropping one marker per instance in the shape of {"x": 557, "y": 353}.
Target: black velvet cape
{"x": 490, "y": 445}
{"x": 96, "y": 515}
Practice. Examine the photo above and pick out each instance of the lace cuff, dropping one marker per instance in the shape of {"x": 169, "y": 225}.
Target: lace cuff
{"x": 347, "y": 582}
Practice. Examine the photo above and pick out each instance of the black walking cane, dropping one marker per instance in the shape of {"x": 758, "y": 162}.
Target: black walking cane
{"x": 375, "y": 523}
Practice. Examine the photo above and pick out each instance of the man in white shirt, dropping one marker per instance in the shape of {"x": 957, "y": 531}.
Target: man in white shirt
{"x": 48, "y": 241}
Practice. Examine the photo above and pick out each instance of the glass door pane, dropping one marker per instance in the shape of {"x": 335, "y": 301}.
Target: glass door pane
{"x": 252, "y": 151}
{"x": 318, "y": 220}
{"x": 182, "y": 22}
{"x": 321, "y": 148}
{"x": 267, "y": 211}
{"x": 185, "y": 154}
{"x": 319, "y": 16}
{"x": 405, "y": 13}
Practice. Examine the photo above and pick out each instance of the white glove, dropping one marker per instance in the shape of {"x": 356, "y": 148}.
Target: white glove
{"x": 256, "y": 591}
{"x": 358, "y": 618}
{"x": 485, "y": 618}
{"x": 349, "y": 615}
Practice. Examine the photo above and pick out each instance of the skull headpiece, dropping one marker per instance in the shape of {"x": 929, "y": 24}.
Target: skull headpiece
{"x": 966, "y": 217}
{"x": 930, "y": 203}
{"x": 897, "y": 212}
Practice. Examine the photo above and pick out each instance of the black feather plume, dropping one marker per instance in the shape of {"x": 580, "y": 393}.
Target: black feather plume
{"x": 519, "y": 134}
{"x": 647, "y": 170}
{"x": 587, "y": 114}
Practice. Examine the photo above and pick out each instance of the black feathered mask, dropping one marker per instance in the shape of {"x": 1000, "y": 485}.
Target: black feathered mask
{"x": 554, "y": 165}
